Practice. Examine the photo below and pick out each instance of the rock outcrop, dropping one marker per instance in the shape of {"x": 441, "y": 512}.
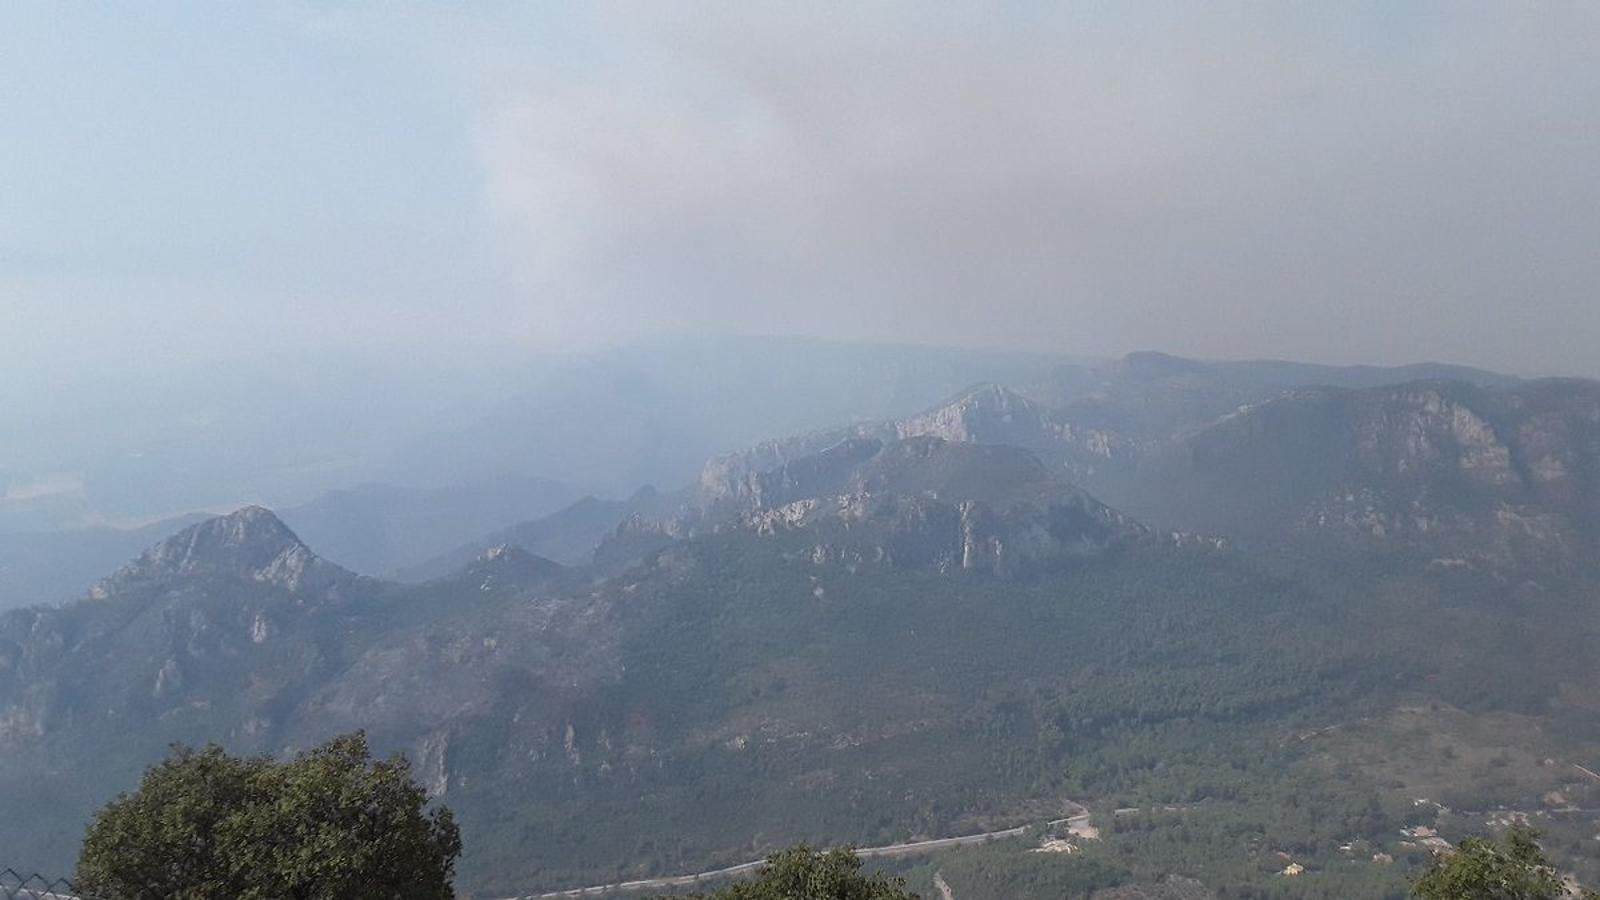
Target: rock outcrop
{"x": 987, "y": 414}
{"x": 917, "y": 501}
{"x": 1501, "y": 473}
{"x": 250, "y": 544}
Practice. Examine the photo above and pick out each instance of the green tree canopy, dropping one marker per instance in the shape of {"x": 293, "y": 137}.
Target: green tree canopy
{"x": 332, "y": 822}
{"x": 1514, "y": 868}
{"x": 801, "y": 873}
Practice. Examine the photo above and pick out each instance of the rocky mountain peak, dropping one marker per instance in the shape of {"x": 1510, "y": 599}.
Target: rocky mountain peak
{"x": 510, "y": 566}
{"x": 970, "y": 416}
{"x": 511, "y": 558}
{"x": 251, "y": 544}
{"x": 250, "y": 525}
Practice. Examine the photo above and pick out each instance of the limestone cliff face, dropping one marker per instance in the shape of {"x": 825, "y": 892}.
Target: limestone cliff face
{"x": 983, "y": 415}
{"x": 922, "y": 501}
{"x": 1501, "y": 472}
{"x": 1555, "y": 428}
{"x": 988, "y": 414}
{"x": 1417, "y": 431}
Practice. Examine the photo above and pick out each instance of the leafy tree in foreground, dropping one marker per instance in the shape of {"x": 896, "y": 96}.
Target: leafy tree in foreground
{"x": 800, "y": 873}
{"x": 330, "y": 823}
{"x": 1514, "y": 869}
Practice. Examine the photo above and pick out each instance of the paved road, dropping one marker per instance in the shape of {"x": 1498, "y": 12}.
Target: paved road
{"x": 648, "y": 883}
{"x": 888, "y": 850}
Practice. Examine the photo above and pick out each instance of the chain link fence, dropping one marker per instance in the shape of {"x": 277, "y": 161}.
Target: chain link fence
{"x": 15, "y": 885}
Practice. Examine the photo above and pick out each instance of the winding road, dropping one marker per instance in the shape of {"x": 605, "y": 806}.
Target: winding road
{"x": 1081, "y": 816}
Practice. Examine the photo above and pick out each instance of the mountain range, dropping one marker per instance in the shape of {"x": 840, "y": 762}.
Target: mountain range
{"x": 1161, "y": 584}
{"x": 1494, "y": 468}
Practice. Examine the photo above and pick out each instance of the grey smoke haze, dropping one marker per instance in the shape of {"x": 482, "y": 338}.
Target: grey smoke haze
{"x": 1341, "y": 182}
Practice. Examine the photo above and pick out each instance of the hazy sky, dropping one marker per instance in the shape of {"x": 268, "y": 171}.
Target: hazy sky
{"x": 1341, "y": 182}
